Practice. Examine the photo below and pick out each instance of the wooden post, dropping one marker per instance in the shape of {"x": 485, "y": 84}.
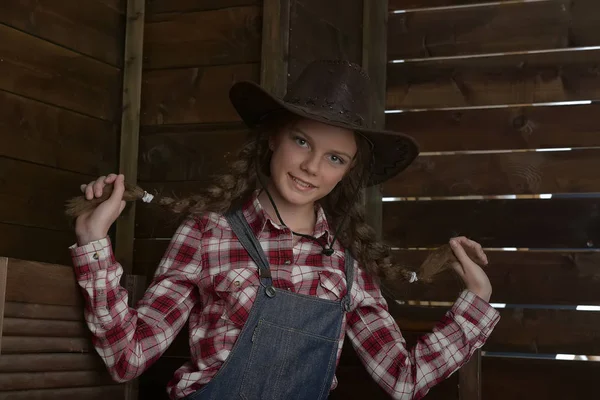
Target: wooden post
{"x": 469, "y": 378}
{"x": 275, "y": 46}
{"x": 128, "y": 154}
{"x": 3, "y": 275}
{"x": 374, "y": 61}
{"x": 130, "y": 125}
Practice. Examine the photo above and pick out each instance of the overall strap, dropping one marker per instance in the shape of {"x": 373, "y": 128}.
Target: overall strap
{"x": 349, "y": 269}
{"x": 244, "y": 233}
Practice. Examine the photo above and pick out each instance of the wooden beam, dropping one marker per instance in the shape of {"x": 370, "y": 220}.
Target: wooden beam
{"x": 130, "y": 127}
{"x": 469, "y": 378}
{"x": 374, "y": 61}
{"x": 3, "y": 273}
{"x": 130, "y": 123}
{"x": 275, "y": 46}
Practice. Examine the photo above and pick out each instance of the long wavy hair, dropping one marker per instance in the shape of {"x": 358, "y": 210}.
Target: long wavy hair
{"x": 344, "y": 206}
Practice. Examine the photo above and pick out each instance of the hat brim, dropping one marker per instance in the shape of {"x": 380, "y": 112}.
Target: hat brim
{"x": 393, "y": 152}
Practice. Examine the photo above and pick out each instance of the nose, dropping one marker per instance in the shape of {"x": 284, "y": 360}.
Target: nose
{"x": 310, "y": 164}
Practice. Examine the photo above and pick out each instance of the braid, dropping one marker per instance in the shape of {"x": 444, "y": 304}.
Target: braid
{"x": 374, "y": 256}
{"x": 219, "y": 196}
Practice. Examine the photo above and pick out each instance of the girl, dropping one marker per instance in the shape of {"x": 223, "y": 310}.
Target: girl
{"x": 273, "y": 278}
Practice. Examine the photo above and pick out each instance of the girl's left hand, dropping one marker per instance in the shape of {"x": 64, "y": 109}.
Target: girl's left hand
{"x": 472, "y": 274}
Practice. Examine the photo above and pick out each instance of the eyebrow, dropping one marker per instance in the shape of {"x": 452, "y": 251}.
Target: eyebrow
{"x": 310, "y": 137}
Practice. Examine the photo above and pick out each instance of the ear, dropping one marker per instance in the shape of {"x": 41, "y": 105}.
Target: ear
{"x": 272, "y": 142}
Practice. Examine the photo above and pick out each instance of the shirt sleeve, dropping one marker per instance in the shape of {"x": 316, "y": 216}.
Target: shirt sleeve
{"x": 411, "y": 373}
{"x": 130, "y": 340}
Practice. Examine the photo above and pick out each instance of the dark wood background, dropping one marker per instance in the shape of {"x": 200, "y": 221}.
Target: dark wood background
{"x": 60, "y": 107}
{"x": 482, "y": 88}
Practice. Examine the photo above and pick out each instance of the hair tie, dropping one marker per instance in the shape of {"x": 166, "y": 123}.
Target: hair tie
{"x": 147, "y": 197}
{"x": 413, "y": 277}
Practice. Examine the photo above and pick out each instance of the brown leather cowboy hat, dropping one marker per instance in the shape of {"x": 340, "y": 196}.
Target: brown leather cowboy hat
{"x": 336, "y": 93}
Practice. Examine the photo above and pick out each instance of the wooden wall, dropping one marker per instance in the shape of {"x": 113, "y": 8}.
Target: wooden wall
{"x": 60, "y": 93}
{"x": 479, "y": 88}
{"x": 45, "y": 345}
{"x": 194, "y": 50}
{"x": 60, "y": 82}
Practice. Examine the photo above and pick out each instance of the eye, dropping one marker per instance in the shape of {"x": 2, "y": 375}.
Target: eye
{"x": 301, "y": 141}
{"x": 337, "y": 160}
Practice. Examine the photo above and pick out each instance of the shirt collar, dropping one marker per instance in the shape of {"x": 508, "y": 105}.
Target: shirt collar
{"x": 259, "y": 220}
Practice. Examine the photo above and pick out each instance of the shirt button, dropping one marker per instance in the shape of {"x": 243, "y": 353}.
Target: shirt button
{"x": 237, "y": 283}
{"x": 95, "y": 256}
{"x": 287, "y": 262}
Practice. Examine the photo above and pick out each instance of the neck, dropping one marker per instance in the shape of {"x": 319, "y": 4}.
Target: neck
{"x": 301, "y": 219}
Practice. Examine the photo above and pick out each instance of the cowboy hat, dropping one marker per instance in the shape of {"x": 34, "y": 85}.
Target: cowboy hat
{"x": 336, "y": 93}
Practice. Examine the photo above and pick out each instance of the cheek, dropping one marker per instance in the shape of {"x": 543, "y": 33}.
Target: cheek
{"x": 333, "y": 176}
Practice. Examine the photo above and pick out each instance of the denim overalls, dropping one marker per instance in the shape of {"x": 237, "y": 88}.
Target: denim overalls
{"x": 288, "y": 347}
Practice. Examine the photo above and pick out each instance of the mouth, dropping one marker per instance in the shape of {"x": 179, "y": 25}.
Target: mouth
{"x": 302, "y": 184}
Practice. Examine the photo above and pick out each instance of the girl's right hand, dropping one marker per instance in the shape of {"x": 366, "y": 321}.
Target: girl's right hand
{"x": 94, "y": 225}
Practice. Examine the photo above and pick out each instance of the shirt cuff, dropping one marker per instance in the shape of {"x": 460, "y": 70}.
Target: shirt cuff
{"x": 91, "y": 257}
{"x": 477, "y": 317}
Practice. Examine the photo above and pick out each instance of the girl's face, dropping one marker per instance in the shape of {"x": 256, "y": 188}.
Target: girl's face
{"x": 309, "y": 159}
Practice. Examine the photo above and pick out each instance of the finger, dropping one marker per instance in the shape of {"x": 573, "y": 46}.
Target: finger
{"x": 118, "y": 190}
{"x": 99, "y": 185}
{"x": 473, "y": 250}
{"x": 110, "y": 178}
{"x": 460, "y": 253}
{"x": 89, "y": 190}
{"x": 82, "y": 187}
{"x": 477, "y": 251}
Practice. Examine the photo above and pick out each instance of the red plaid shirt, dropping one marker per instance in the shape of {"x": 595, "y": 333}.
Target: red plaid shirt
{"x": 208, "y": 277}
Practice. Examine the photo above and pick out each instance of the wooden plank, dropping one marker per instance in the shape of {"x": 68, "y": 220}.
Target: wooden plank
{"x": 529, "y": 172}
{"x": 517, "y": 277}
{"x": 475, "y": 30}
{"x": 117, "y": 5}
{"x": 42, "y": 283}
{"x": 517, "y": 79}
{"x": 40, "y": 205}
{"x": 94, "y": 30}
{"x": 521, "y": 330}
{"x": 25, "y": 345}
{"x": 374, "y": 61}
{"x": 52, "y": 74}
{"x": 89, "y": 393}
{"x": 52, "y": 136}
{"x": 50, "y": 246}
{"x": 47, "y": 380}
{"x": 43, "y": 311}
{"x": 3, "y": 274}
{"x": 193, "y": 155}
{"x": 275, "y": 48}
{"x": 33, "y": 327}
{"x": 412, "y": 4}
{"x": 165, "y": 6}
{"x": 517, "y": 378}
{"x": 130, "y": 123}
{"x": 494, "y": 223}
{"x": 469, "y": 378}
{"x": 192, "y": 95}
{"x": 227, "y": 36}
{"x": 318, "y": 30}
{"x": 50, "y": 362}
{"x": 501, "y": 128}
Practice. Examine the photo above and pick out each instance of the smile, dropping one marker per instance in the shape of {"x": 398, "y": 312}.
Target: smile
{"x": 302, "y": 183}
